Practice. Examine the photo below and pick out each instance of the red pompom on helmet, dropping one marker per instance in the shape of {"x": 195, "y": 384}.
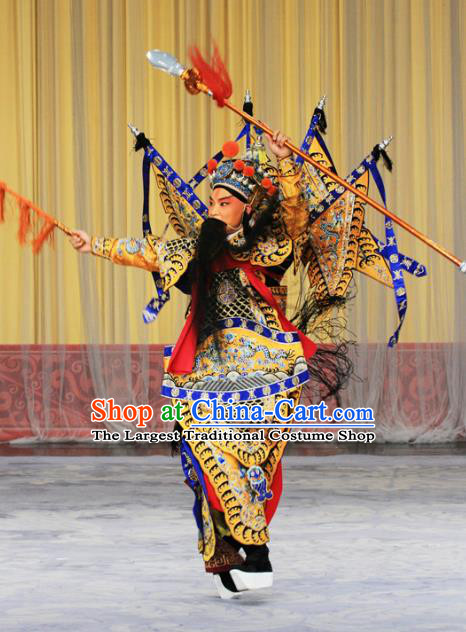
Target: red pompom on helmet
{"x": 230, "y": 148}
{"x": 238, "y": 165}
{"x": 248, "y": 171}
{"x": 266, "y": 183}
{"x": 211, "y": 165}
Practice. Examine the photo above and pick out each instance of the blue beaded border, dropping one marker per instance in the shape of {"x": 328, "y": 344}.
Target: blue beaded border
{"x": 244, "y": 323}
{"x": 238, "y": 396}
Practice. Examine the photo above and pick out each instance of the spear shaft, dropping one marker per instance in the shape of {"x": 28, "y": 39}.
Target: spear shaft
{"x": 401, "y": 222}
{"x": 193, "y": 81}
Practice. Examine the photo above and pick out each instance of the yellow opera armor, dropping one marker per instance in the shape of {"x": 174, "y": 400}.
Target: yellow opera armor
{"x": 252, "y": 359}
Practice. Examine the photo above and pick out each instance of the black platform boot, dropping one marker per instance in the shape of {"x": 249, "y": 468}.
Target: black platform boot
{"x": 234, "y": 543}
{"x": 223, "y": 581}
{"x": 225, "y": 585}
{"x": 256, "y": 572}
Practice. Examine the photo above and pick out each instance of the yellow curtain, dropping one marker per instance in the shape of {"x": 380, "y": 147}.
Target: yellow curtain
{"x": 74, "y": 74}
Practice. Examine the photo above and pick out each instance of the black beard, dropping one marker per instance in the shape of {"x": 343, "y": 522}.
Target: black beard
{"x": 211, "y": 241}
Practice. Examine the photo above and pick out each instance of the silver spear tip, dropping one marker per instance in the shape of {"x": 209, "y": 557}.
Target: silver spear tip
{"x": 385, "y": 142}
{"x": 134, "y": 130}
{"x": 164, "y": 61}
{"x": 247, "y": 97}
{"x": 463, "y": 267}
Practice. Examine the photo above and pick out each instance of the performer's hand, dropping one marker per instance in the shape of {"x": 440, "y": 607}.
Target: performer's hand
{"x": 276, "y": 143}
{"x": 81, "y": 241}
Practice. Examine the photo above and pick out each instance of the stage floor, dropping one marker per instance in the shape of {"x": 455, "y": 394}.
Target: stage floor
{"x": 360, "y": 542}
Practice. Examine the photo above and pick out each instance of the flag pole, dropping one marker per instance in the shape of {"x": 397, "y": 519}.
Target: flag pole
{"x": 378, "y": 207}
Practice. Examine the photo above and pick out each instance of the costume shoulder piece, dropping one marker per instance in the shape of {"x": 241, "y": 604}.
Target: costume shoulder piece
{"x": 269, "y": 250}
{"x": 173, "y": 256}
{"x": 272, "y": 250}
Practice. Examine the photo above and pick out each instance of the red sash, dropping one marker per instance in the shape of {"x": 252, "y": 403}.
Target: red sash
{"x": 182, "y": 358}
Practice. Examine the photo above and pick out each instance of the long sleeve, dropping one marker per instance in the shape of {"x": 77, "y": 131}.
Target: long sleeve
{"x": 127, "y": 251}
{"x": 294, "y": 209}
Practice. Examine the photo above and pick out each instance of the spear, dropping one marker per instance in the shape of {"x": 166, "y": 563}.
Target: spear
{"x": 196, "y": 82}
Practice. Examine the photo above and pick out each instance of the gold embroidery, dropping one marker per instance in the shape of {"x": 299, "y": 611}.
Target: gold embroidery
{"x": 223, "y": 559}
{"x": 208, "y": 540}
{"x": 370, "y": 261}
{"x": 224, "y": 463}
{"x": 174, "y": 257}
{"x": 182, "y": 217}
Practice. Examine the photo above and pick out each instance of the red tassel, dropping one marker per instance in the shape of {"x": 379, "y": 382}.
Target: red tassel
{"x": 47, "y": 231}
{"x": 24, "y": 221}
{"x": 214, "y": 75}
{"x": 2, "y": 201}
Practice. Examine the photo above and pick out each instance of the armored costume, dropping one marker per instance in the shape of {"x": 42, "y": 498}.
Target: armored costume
{"x": 245, "y": 351}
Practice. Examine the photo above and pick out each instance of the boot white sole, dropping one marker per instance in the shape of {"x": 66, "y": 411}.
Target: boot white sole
{"x": 251, "y": 581}
{"x": 223, "y": 592}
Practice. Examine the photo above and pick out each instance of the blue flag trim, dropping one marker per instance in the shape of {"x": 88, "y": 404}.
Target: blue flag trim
{"x": 183, "y": 188}
{"x": 397, "y": 262}
{"x": 312, "y": 133}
